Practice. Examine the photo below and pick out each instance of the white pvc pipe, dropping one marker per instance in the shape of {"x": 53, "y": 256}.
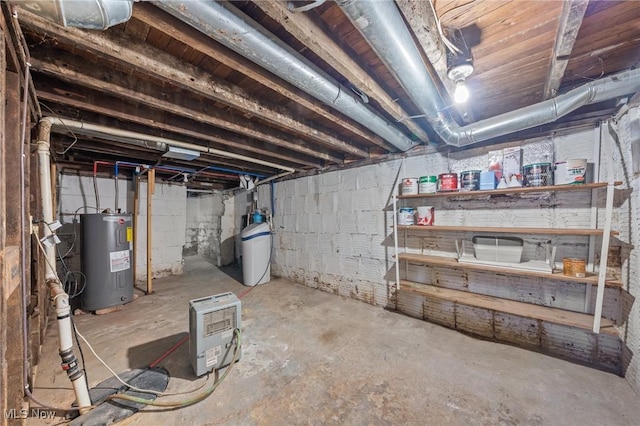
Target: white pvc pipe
{"x": 60, "y": 297}
{"x": 135, "y": 136}
{"x": 44, "y": 171}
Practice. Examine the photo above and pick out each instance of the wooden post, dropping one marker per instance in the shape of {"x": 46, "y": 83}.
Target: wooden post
{"x": 151, "y": 183}
{"x": 136, "y": 211}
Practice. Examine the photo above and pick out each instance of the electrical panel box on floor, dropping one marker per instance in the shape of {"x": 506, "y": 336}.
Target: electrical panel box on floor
{"x": 212, "y": 321}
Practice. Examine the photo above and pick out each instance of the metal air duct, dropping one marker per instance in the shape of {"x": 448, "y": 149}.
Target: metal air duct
{"x": 229, "y": 26}
{"x": 90, "y": 14}
{"x": 381, "y": 24}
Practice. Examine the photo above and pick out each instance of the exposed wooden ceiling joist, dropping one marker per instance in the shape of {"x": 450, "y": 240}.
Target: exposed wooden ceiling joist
{"x": 167, "y": 24}
{"x": 570, "y": 22}
{"x": 139, "y": 56}
{"x": 144, "y": 93}
{"x": 305, "y": 30}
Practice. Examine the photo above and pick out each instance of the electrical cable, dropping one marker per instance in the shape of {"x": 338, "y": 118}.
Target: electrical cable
{"x": 125, "y": 383}
{"x": 197, "y": 398}
{"x": 75, "y": 215}
{"x": 75, "y": 138}
{"x": 84, "y": 365}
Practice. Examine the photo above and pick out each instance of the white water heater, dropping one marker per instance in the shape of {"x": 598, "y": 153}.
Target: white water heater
{"x": 212, "y": 324}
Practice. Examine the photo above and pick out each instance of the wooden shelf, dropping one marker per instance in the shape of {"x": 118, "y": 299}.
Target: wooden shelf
{"x": 512, "y": 307}
{"x": 501, "y": 230}
{"x": 453, "y": 263}
{"x": 509, "y": 191}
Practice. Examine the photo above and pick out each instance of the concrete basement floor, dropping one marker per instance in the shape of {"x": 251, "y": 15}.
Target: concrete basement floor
{"x": 310, "y": 357}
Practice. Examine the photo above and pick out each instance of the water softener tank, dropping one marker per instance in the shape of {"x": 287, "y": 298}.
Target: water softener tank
{"x": 107, "y": 243}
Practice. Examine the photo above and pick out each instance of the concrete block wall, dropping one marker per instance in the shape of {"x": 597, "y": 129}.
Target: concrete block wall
{"x": 333, "y": 231}
{"x": 76, "y": 194}
{"x": 625, "y": 156}
{"x": 168, "y": 215}
{"x": 210, "y": 227}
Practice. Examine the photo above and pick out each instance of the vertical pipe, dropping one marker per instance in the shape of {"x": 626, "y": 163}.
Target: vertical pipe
{"x": 23, "y": 226}
{"x": 61, "y": 299}
{"x": 95, "y": 185}
{"x": 116, "y": 179}
{"x": 151, "y": 182}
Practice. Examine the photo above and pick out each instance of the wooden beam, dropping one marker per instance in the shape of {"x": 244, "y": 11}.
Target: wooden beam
{"x": 420, "y": 17}
{"x": 305, "y": 30}
{"x": 166, "y": 24}
{"x": 132, "y": 54}
{"x": 5, "y": 288}
{"x": 568, "y": 28}
{"x": 140, "y": 92}
{"x": 16, "y": 48}
{"x": 145, "y": 117}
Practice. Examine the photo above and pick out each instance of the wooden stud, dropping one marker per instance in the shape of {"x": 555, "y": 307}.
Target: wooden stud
{"x": 151, "y": 182}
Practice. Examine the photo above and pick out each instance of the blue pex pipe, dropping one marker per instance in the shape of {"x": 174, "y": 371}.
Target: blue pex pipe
{"x": 238, "y": 172}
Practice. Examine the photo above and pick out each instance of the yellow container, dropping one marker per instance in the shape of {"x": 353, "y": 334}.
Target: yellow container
{"x": 574, "y": 267}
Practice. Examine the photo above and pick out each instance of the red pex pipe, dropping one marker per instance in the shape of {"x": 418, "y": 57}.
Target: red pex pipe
{"x": 105, "y": 163}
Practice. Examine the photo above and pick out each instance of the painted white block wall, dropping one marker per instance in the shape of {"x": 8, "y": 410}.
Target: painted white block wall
{"x": 626, "y": 167}
{"x": 210, "y": 227}
{"x": 333, "y": 232}
{"x": 76, "y": 193}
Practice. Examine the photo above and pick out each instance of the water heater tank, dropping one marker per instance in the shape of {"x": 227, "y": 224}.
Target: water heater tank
{"x": 107, "y": 243}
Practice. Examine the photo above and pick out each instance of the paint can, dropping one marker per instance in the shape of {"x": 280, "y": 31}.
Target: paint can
{"x": 571, "y": 172}
{"x": 428, "y": 185}
{"x": 410, "y": 186}
{"x": 538, "y": 174}
{"x": 574, "y": 267}
{"x": 470, "y": 180}
{"x": 447, "y": 182}
{"x": 405, "y": 216}
{"x": 425, "y": 215}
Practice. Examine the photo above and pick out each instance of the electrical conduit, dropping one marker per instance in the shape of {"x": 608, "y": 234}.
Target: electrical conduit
{"x": 61, "y": 299}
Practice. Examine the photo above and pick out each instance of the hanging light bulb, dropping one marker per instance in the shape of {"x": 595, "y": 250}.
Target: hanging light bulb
{"x": 461, "y": 93}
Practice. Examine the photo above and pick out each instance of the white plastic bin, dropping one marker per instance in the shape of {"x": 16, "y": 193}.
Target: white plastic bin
{"x": 498, "y": 249}
{"x": 256, "y": 249}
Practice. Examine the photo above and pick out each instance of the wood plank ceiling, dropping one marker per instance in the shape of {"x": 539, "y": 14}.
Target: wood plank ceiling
{"x": 158, "y": 76}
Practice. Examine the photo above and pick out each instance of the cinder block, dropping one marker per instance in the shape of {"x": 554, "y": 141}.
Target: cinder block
{"x": 342, "y": 244}
{"x": 348, "y": 180}
{"x": 410, "y": 304}
{"x": 361, "y": 245}
{"x": 368, "y": 178}
{"x": 347, "y": 223}
{"x": 327, "y": 203}
{"x": 344, "y": 202}
{"x": 315, "y": 222}
{"x": 382, "y": 248}
{"x": 330, "y": 182}
{"x": 312, "y": 203}
{"x": 325, "y": 245}
{"x": 372, "y": 270}
{"x": 362, "y": 200}
{"x": 329, "y": 223}
{"x": 350, "y": 267}
{"x": 368, "y": 222}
